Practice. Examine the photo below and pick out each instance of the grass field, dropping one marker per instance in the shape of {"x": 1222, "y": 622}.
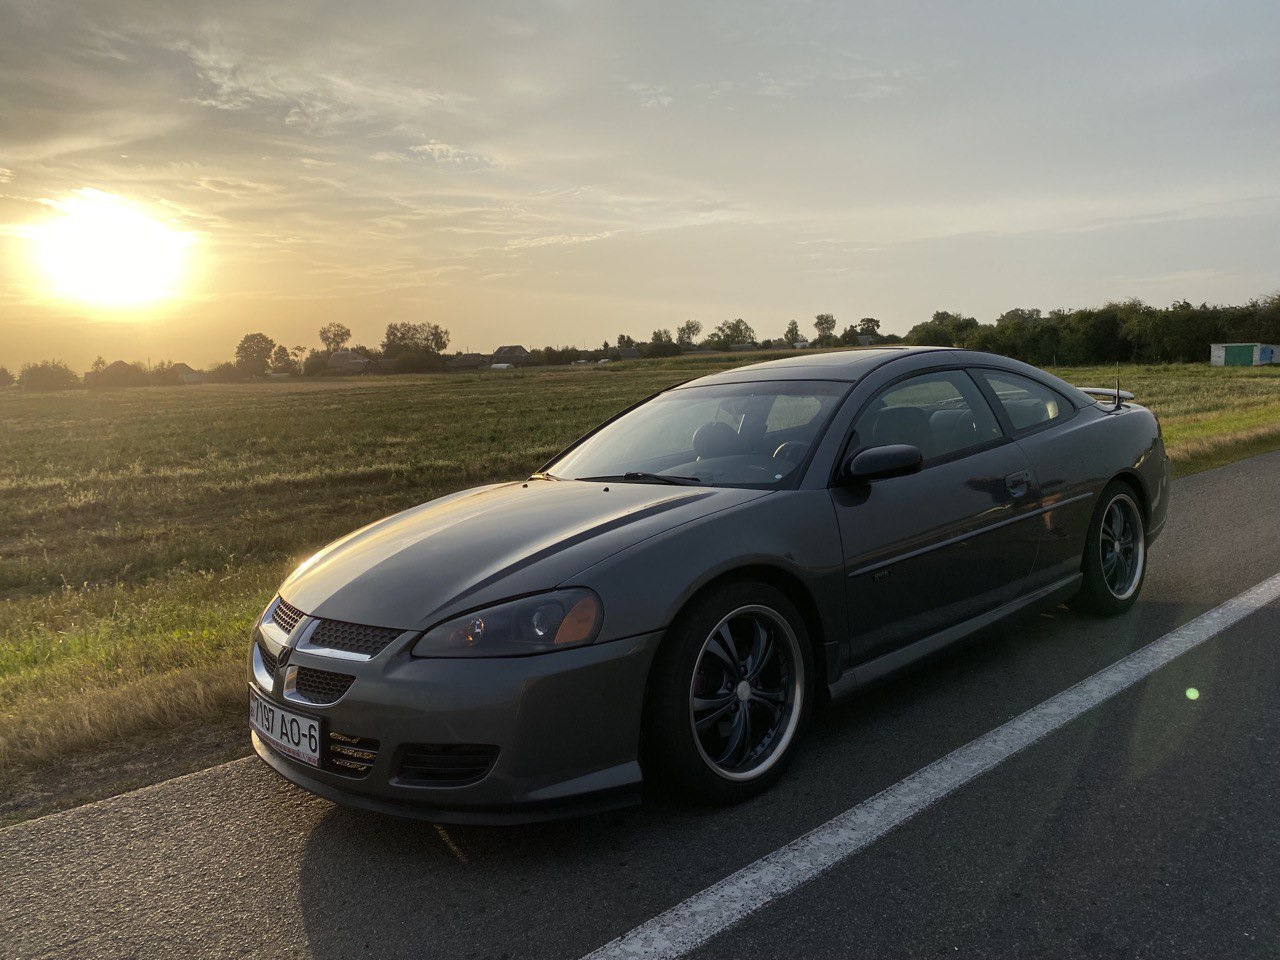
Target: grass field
{"x": 142, "y": 530}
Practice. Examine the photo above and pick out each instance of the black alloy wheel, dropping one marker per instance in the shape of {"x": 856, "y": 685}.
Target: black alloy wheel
{"x": 1115, "y": 553}
{"x": 730, "y": 691}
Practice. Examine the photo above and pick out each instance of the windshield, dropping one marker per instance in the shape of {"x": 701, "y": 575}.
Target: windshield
{"x": 729, "y": 435}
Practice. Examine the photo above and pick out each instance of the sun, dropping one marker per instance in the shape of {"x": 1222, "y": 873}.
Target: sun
{"x": 105, "y": 251}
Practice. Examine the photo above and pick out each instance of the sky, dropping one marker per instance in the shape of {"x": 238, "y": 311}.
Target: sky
{"x": 559, "y": 173}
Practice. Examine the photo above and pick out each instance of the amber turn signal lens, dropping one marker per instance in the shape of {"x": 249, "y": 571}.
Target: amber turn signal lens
{"x": 580, "y": 622}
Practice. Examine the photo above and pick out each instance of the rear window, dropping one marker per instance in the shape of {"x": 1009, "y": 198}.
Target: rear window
{"x": 1027, "y": 402}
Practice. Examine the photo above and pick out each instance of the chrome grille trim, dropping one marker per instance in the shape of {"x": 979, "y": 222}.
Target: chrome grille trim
{"x": 348, "y": 641}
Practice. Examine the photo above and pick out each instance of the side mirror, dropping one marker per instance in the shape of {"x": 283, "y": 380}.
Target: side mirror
{"x": 880, "y": 463}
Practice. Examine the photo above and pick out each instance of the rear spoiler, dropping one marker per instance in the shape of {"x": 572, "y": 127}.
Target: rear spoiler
{"x": 1114, "y": 394}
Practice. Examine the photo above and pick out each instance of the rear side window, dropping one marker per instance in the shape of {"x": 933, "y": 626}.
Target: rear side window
{"x": 941, "y": 413}
{"x": 1027, "y": 402}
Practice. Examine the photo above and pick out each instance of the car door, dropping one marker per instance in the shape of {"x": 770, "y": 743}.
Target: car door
{"x": 933, "y": 548}
{"x": 1056, "y": 438}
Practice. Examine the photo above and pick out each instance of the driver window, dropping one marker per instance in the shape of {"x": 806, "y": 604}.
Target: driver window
{"x": 940, "y": 413}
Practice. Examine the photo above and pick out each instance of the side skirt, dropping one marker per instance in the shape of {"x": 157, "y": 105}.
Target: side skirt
{"x": 865, "y": 673}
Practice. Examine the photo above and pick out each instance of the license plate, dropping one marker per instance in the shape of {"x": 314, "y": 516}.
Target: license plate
{"x": 290, "y": 733}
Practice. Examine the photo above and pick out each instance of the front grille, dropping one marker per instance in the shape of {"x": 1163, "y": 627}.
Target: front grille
{"x": 446, "y": 763}
{"x": 352, "y": 637}
{"x": 269, "y": 659}
{"x": 350, "y": 756}
{"x": 286, "y": 616}
{"x": 321, "y": 686}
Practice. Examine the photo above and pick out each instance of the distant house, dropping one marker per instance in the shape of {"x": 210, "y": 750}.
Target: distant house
{"x": 514, "y": 355}
{"x": 467, "y": 361}
{"x": 181, "y": 373}
{"x": 1236, "y": 354}
{"x": 348, "y": 361}
{"x": 386, "y": 365}
{"x": 628, "y": 353}
{"x": 801, "y": 345}
{"x": 118, "y": 374}
{"x": 502, "y": 366}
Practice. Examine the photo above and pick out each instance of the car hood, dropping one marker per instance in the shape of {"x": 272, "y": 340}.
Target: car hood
{"x": 480, "y": 546}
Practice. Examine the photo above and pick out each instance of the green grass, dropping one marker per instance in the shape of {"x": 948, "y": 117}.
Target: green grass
{"x": 142, "y": 530}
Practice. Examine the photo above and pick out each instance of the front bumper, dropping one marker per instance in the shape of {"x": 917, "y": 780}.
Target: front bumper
{"x": 566, "y": 727}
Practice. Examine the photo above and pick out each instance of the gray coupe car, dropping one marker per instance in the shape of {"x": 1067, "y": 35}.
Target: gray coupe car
{"x": 668, "y": 598}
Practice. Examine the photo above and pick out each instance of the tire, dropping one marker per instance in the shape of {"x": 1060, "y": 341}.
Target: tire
{"x": 711, "y": 695}
{"x": 1115, "y": 553}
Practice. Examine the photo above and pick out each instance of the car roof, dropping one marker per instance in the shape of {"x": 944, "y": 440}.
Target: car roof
{"x": 846, "y": 365}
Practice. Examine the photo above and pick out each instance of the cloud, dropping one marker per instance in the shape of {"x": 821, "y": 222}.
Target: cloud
{"x": 448, "y": 153}
{"x": 652, "y": 94}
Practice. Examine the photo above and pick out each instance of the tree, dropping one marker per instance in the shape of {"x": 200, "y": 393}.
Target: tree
{"x": 48, "y": 375}
{"x": 334, "y": 336}
{"x": 731, "y": 332}
{"x": 98, "y": 365}
{"x": 6, "y": 378}
{"x": 687, "y": 333}
{"x": 849, "y": 336}
{"x": 825, "y": 324}
{"x": 960, "y": 326}
{"x": 662, "y": 344}
{"x": 792, "y": 335}
{"x": 625, "y": 341}
{"x": 402, "y": 338}
{"x": 869, "y": 327}
{"x": 317, "y": 361}
{"x": 253, "y": 353}
{"x": 225, "y": 373}
{"x": 929, "y": 334}
{"x": 282, "y": 361}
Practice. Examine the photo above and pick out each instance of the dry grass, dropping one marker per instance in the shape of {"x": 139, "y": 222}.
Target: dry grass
{"x": 141, "y": 531}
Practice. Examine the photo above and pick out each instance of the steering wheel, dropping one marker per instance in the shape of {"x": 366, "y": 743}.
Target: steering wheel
{"x": 792, "y": 451}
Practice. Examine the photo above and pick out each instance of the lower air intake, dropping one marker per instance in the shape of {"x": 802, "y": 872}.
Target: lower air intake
{"x": 446, "y": 764}
{"x": 350, "y": 756}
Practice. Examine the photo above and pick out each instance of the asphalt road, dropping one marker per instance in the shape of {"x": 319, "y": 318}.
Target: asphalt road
{"x": 1150, "y": 826}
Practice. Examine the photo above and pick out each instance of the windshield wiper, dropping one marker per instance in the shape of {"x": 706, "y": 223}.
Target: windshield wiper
{"x": 636, "y": 476}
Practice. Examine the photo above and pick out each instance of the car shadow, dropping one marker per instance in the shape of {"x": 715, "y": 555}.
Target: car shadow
{"x": 374, "y": 884}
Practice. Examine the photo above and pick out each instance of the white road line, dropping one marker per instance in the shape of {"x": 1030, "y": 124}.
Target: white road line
{"x": 688, "y": 925}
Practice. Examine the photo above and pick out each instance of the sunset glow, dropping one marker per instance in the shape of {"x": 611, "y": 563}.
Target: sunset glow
{"x": 104, "y": 251}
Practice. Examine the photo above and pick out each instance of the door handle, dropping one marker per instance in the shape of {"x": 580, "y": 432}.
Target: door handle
{"x": 1017, "y": 482}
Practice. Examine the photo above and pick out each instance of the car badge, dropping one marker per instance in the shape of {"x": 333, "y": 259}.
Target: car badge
{"x": 283, "y": 657}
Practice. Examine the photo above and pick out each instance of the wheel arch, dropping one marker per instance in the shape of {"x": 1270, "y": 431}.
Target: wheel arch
{"x": 1131, "y": 479}
{"x": 795, "y": 590}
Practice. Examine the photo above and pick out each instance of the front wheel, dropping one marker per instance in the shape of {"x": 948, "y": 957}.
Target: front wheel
{"x": 1115, "y": 553}
{"x": 729, "y": 694}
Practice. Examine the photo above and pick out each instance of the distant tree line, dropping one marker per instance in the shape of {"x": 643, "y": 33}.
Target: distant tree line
{"x": 1123, "y": 332}
{"x": 1129, "y": 331}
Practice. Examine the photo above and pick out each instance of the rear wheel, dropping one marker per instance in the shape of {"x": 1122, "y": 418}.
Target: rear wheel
{"x": 1115, "y": 553}
{"x": 729, "y": 694}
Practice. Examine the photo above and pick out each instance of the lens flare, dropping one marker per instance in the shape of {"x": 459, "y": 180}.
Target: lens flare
{"x": 1193, "y": 693}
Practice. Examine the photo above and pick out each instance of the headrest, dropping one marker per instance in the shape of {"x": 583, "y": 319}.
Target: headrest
{"x": 901, "y": 425}
{"x": 717, "y": 439}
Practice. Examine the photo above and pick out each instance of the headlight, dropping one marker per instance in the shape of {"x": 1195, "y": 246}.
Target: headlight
{"x": 548, "y": 621}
